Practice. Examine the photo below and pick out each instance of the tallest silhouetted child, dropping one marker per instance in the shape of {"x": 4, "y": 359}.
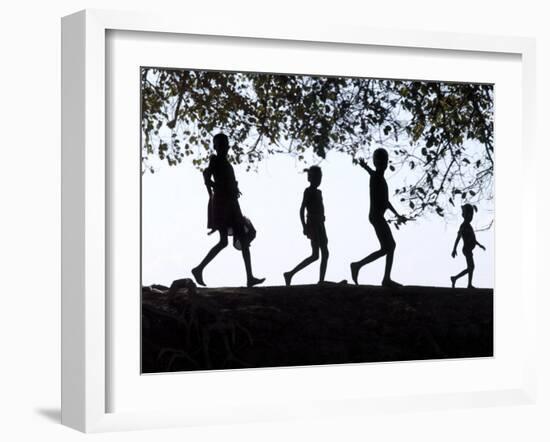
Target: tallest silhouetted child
{"x": 379, "y": 203}
{"x": 224, "y": 211}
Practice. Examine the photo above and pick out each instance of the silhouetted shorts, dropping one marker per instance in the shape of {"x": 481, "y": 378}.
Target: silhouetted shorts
{"x": 317, "y": 234}
{"x": 383, "y": 232}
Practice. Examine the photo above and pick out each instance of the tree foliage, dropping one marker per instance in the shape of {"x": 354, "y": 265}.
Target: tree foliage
{"x": 439, "y": 135}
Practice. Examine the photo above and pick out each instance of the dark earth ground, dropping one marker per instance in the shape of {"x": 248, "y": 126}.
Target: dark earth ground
{"x": 185, "y": 328}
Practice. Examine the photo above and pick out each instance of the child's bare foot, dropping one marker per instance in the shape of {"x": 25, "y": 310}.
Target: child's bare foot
{"x": 288, "y": 278}
{"x": 254, "y": 281}
{"x": 391, "y": 284}
{"x": 471, "y": 286}
{"x": 453, "y": 281}
{"x": 197, "y": 274}
{"x": 354, "y": 272}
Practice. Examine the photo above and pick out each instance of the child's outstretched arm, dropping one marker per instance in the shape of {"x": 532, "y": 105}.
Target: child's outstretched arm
{"x": 365, "y": 166}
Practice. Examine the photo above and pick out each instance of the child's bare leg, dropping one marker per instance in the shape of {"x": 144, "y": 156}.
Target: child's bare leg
{"x": 356, "y": 266}
{"x": 310, "y": 259}
{"x": 470, "y": 270}
{"x": 470, "y": 276}
{"x": 324, "y": 260}
{"x": 388, "y": 245}
{"x": 247, "y": 261}
{"x": 456, "y": 277}
{"x": 222, "y": 244}
{"x": 387, "y": 281}
{"x": 250, "y": 279}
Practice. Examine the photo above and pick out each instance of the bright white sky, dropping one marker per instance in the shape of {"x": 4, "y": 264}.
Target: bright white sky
{"x": 174, "y": 233}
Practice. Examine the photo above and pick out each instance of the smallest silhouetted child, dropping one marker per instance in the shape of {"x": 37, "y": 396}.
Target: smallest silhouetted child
{"x": 469, "y": 242}
{"x": 313, "y": 226}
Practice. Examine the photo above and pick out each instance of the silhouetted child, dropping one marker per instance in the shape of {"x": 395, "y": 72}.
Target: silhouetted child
{"x": 224, "y": 211}
{"x": 313, "y": 226}
{"x": 379, "y": 203}
{"x": 469, "y": 242}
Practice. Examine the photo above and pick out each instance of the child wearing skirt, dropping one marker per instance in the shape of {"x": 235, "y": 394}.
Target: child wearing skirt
{"x": 224, "y": 212}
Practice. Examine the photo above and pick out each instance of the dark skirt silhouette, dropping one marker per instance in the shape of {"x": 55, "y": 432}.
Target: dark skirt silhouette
{"x": 225, "y": 215}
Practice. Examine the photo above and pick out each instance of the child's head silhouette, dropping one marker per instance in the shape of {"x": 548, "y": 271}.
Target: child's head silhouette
{"x": 380, "y": 159}
{"x": 221, "y": 144}
{"x": 314, "y": 175}
{"x": 468, "y": 212}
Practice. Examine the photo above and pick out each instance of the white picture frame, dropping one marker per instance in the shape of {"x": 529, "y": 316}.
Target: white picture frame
{"x": 85, "y": 210}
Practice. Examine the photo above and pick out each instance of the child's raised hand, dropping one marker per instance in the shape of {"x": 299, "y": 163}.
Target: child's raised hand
{"x": 453, "y": 254}
{"x": 363, "y": 163}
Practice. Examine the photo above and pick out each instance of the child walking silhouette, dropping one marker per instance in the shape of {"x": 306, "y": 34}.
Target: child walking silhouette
{"x": 313, "y": 226}
{"x": 224, "y": 211}
{"x": 469, "y": 242}
{"x": 379, "y": 203}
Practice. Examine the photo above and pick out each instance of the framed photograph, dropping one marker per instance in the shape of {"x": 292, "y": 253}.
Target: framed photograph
{"x": 250, "y": 214}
